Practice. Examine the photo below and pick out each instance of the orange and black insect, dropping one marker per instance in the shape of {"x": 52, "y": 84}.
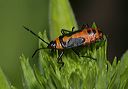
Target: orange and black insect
{"x": 72, "y": 39}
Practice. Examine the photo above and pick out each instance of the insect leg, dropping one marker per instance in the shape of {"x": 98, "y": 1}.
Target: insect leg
{"x": 82, "y": 56}
{"x": 76, "y": 52}
{"x": 59, "y": 59}
{"x": 63, "y": 31}
{"x": 73, "y": 29}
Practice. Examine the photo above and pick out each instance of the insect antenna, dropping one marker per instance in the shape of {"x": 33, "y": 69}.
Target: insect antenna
{"x": 37, "y": 51}
{"x": 35, "y": 34}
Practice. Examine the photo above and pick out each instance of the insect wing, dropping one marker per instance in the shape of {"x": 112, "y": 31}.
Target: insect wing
{"x": 75, "y": 42}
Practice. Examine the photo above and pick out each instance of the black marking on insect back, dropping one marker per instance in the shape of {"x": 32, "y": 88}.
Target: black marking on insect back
{"x": 99, "y": 31}
{"x": 89, "y": 31}
{"x": 63, "y": 44}
{"x": 84, "y": 26}
{"x": 75, "y": 42}
{"x": 94, "y": 31}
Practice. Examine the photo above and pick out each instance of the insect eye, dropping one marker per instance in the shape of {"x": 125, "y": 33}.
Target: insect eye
{"x": 89, "y": 31}
{"x": 94, "y": 31}
{"x": 53, "y": 44}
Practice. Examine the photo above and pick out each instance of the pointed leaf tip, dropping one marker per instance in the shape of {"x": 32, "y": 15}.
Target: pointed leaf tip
{"x": 94, "y": 25}
{"x": 3, "y": 81}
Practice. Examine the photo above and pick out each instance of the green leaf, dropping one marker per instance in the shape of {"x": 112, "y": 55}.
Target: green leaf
{"x": 13, "y": 87}
{"x": 3, "y": 81}
{"x": 124, "y": 60}
{"x": 60, "y": 17}
{"x": 29, "y": 76}
{"x": 94, "y": 25}
{"x": 123, "y": 71}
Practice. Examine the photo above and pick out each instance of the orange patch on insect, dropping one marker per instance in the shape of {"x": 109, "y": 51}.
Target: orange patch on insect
{"x": 58, "y": 44}
{"x": 66, "y": 38}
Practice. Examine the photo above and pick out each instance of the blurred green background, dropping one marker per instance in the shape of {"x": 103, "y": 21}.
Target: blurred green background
{"x": 14, "y": 40}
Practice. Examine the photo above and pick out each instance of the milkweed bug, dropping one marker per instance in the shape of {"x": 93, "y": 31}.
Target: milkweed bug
{"x": 71, "y": 40}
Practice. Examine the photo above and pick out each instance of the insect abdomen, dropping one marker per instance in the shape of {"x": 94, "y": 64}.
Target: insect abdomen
{"x": 79, "y": 38}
